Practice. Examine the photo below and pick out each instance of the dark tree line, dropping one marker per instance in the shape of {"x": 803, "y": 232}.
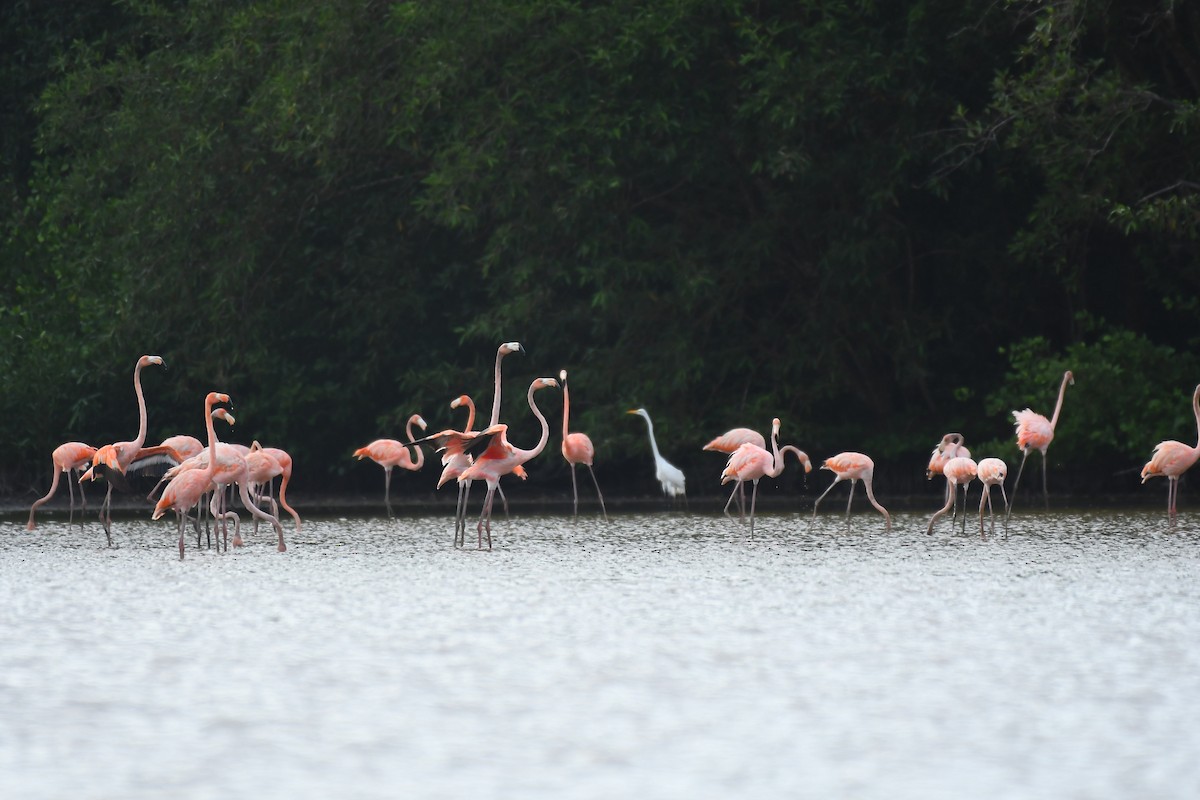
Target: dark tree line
{"x": 877, "y": 221}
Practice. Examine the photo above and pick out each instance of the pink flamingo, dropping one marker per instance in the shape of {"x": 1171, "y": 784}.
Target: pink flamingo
{"x": 70, "y": 457}
{"x": 959, "y": 471}
{"x": 454, "y": 462}
{"x": 1171, "y": 459}
{"x": 751, "y": 462}
{"x": 577, "y": 448}
{"x": 498, "y": 457}
{"x": 185, "y": 490}
{"x": 113, "y": 460}
{"x": 992, "y": 472}
{"x": 853, "y": 467}
{"x": 1035, "y": 432}
{"x": 950, "y": 446}
{"x": 262, "y": 468}
{"x": 233, "y": 470}
{"x": 389, "y": 453}
{"x": 728, "y": 443}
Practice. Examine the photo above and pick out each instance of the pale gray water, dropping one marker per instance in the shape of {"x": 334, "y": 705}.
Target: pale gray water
{"x": 660, "y": 656}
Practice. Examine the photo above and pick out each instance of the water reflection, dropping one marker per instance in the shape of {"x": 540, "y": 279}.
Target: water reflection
{"x": 664, "y": 655}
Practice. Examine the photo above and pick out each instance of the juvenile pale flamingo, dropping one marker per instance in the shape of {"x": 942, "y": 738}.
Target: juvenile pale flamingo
{"x": 1171, "y": 459}
{"x": 1035, "y": 432}
{"x": 495, "y": 456}
{"x": 751, "y": 462}
{"x": 992, "y": 472}
{"x": 70, "y": 458}
{"x": 389, "y": 453}
{"x": 577, "y": 448}
{"x": 959, "y": 471}
{"x": 113, "y": 460}
{"x": 728, "y": 443}
{"x": 184, "y": 491}
{"x": 668, "y": 475}
{"x": 853, "y": 467}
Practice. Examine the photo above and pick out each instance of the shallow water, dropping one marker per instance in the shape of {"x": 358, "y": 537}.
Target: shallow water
{"x": 660, "y": 656}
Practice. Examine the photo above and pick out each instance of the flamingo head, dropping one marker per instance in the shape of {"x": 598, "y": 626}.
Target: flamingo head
{"x": 511, "y": 347}
{"x": 223, "y": 415}
{"x": 146, "y": 361}
{"x": 418, "y": 420}
{"x": 1070, "y": 377}
{"x": 542, "y": 383}
{"x": 562, "y": 376}
{"x": 462, "y": 399}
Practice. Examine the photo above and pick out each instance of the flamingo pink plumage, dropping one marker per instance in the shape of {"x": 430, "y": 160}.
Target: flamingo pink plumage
{"x": 991, "y": 472}
{"x": 728, "y": 443}
{"x": 496, "y": 457}
{"x": 751, "y": 462}
{"x": 1035, "y": 432}
{"x": 577, "y": 448}
{"x": 69, "y": 458}
{"x": 185, "y": 490}
{"x": 1171, "y": 459}
{"x": 959, "y": 471}
{"x": 853, "y": 467}
{"x": 389, "y": 453}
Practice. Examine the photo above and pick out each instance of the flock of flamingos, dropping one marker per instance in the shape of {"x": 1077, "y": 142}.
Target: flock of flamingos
{"x": 197, "y": 470}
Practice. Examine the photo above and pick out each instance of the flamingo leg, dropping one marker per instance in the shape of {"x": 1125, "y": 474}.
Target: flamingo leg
{"x": 822, "y": 497}
{"x": 71, "y": 494}
{"x": 603, "y": 510}
{"x": 1005, "y": 497}
{"x": 387, "y": 490}
{"x": 849, "y": 500}
{"x": 181, "y": 518}
{"x": 1045, "y": 490}
{"x": 732, "y": 494}
{"x": 1011, "y": 502}
{"x": 503, "y": 502}
{"x": 753, "y": 498}
{"x": 575, "y": 493}
{"x": 966, "y": 491}
{"x": 106, "y": 514}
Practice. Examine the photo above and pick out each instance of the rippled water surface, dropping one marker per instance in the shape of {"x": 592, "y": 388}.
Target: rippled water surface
{"x": 660, "y": 656}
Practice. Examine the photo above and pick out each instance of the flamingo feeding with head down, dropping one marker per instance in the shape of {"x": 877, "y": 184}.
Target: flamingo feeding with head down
{"x": 853, "y": 467}
{"x": 577, "y": 448}
{"x": 751, "y": 463}
{"x": 389, "y": 453}
{"x": 669, "y": 476}
{"x": 1035, "y": 432}
{"x": 1171, "y": 459}
{"x": 185, "y": 490}
{"x": 959, "y": 471}
{"x": 70, "y": 458}
{"x": 992, "y": 472}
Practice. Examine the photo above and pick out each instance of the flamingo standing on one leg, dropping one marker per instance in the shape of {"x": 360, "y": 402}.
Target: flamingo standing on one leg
{"x": 1171, "y": 459}
{"x": 577, "y": 448}
{"x": 496, "y": 457}
{"x": 992, "y": 472}
{"x": 113, "y": 460}
{"x": 389, "y": 453}
{"x": 751, "y": 462}
{"x": 669, "y": 476}
{"x": 853, "y": 467}
{"x": 70, "y": 458}
{"x": 185, "y": 490}
{"x": 728, "y": 443}
{"x": 1035, "y": 432}
{"x": 959, "y": 471}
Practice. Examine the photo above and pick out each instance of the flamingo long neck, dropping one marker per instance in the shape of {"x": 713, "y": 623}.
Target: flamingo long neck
{"x": 142, "y": 421}
{"x": 211, "y": 472}
{"x": 496, "y": 395}
{"x": 470, "y": 414}
{"x": 1196, "y": 411}
{"x": 1062, "y": 391}
{"x": 777, "y": 460}
{"x": 779, "y": 453}
{"x": 419, "y": 461}
{"x": 566, "y": 408}
{"x": 541, "y": 444}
